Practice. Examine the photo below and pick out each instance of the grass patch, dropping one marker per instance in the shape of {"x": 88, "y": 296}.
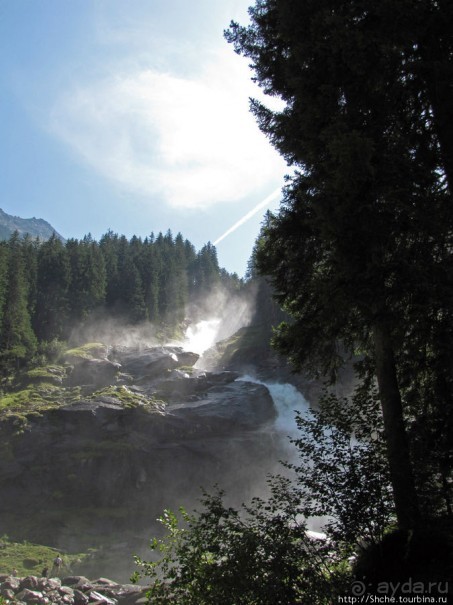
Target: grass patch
{"x": 30, "y": 559}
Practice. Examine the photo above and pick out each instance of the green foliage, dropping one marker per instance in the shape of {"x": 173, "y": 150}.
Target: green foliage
{"x": 343, "y": 470}
{"x": 18, "y": 342}
{"x": 52, "y": 298}
{"x": 259, "y": 555}
{"x": 53, "y": 350}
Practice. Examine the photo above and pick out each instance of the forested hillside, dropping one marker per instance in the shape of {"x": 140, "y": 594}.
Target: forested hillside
{"x": 48, "y": 288}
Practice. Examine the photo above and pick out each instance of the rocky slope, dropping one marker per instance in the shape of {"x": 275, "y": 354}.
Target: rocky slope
{"x": 71, "y": 590}
{"x": 92, "y": 451}
{"x": 36, "y": 227}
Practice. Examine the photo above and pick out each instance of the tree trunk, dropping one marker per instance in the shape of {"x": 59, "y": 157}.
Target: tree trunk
{"x": 401, "y": 475}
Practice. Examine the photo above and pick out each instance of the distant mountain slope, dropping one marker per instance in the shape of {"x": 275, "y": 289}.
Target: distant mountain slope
{"x": 36, "y": 227}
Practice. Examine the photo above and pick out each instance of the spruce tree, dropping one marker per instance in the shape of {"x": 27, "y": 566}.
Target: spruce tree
{"x": 18, "y": 339}
{"x": 365, "y": 220}
{"x": 52, "y": 318}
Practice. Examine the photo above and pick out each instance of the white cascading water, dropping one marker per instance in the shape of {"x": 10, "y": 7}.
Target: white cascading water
{"x": 201, "y": 336}
{"x": 287, "y": 400}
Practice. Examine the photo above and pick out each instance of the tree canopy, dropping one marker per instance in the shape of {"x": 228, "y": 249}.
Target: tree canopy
{"x": 359, "y": 253}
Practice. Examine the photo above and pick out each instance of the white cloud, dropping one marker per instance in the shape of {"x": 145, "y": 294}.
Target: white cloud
{"x": 191, "y": 141}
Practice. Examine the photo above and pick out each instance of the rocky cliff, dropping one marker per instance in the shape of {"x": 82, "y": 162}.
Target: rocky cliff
{"x": 93, "y": 453}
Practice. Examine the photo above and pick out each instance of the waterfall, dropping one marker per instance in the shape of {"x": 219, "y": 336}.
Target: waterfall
{"x": 287, "y": 400}
{"x": 201, "y": 336}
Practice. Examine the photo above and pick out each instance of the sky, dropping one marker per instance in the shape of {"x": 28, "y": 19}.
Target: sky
{"x": 133, "y": 115}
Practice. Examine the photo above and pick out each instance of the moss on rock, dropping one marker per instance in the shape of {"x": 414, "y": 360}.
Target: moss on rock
{"x": 90, "y": 350}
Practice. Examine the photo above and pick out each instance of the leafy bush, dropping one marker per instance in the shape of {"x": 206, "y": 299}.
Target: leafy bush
{"x": 261, "y": 554}
{"x": 343, "y": 471}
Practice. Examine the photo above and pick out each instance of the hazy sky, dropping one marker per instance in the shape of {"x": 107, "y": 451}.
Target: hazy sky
{"x": 132, "y": 115}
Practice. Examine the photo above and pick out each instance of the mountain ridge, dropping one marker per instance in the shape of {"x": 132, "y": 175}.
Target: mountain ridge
{"x": 36, "y": 227}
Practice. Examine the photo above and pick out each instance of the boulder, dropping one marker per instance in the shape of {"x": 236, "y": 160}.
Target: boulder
{"x": 66, "y": 590}
{"x": 7, "y": 593}
{"x": 11, "y": 582}
{"x": 30, "y": 582}
{"x": 29, "y": 596}
{"x": 179, "y": 388}
{"x": 94, "y": 372}
{"x": 80, "y": 598}
{"x": 73, "y": 580}
{"x": 153, "y": 362}
{"x": 97, "y": 597}
{"x": 48, "y": 584}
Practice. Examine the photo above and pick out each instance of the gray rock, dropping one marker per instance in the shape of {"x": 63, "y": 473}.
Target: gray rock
{"x": 11, "y": 582}
{"x": 53, "y": 596}
{"x": 48, "y": 584}
{"x": 84, "y": 585}
{"x": 30, "y": 582}
{"x": 80, "y": 598}
{"x": 94, "y": 372}
{"x": 104, "y": 582}
{"x": 7, "y": 593}
{"x": 152, "y": 362}
{"x": 72, "y": 580}
{"x": 95, "y": 596}
{"x": 29, "y": 596}
{"x": 66, "y": 590}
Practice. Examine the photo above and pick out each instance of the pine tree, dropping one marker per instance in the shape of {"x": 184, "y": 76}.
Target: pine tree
{"x": 3, "y": 276}
{"x": 88, "y": 277}
{"x": 109, "y": 245}
{"x": 52, "y": 305}
{"x": 18, "y": 339}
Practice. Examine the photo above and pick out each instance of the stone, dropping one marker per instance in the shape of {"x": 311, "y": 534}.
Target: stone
{"x": 80, "y": 598}
{"x": 11, "y": 582}
{"x": 66, "y": 590}
{"x": 29, "y": 596}
{"x": 30, "y": 582}
{"x": 7, "y": 593}
{"x": 72, "y": 580}
{"x": 104, "y": 582}
{"x": 95, "y": 372}
{"x": 100, "y": 598}
{"x": 53, "y": 596}
{"x": 48, "y": 584}
{"x": 84, "y": 585}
